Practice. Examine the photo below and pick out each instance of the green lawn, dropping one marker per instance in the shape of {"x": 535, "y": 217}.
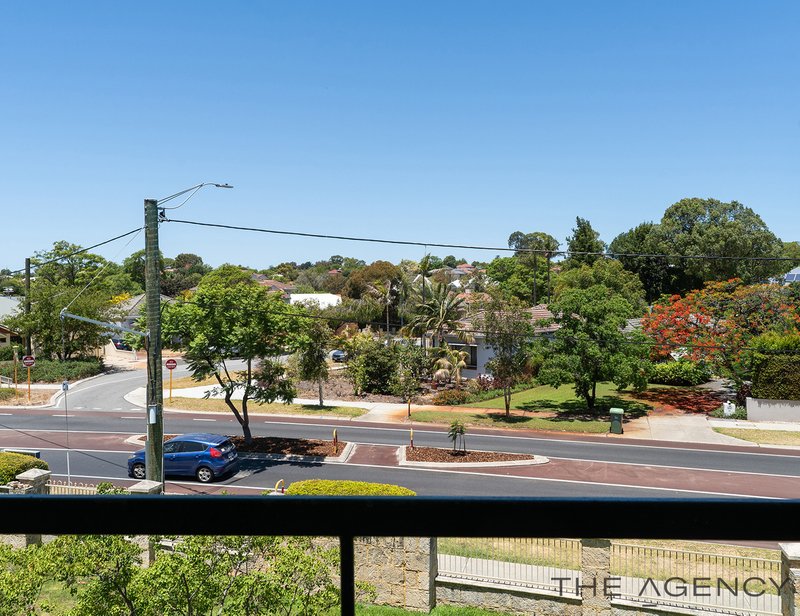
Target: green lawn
{"x": 546, "y": 398}
{"x": 528, "y": 422}
{"x": 544, "y": 408}
{"x": 764, "y": 437}
{"x": 201, "y": 404}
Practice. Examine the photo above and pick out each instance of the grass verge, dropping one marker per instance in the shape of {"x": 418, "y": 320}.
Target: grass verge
{"x": 528, "y": 422}
{"x": 201, "y": 404}
{"x": 764, "y": 437}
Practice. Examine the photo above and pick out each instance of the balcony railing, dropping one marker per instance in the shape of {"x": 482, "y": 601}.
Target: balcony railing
{"x": 348, "y": 517}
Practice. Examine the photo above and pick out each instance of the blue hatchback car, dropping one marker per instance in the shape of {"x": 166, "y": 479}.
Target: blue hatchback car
{"x": 205, "y": 456}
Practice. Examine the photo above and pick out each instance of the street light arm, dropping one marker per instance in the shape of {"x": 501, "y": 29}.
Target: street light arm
{"x": 113, "y": 326}
{"x": 193, "y": 188}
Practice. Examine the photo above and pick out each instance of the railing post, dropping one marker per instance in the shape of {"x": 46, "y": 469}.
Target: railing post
{"x": 790, "y": 579}
{"x": 347, "y": 577}
{"x": 595, "y": 571}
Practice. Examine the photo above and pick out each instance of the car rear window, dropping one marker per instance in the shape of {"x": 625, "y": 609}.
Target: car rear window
{"x": 225, "y": 447}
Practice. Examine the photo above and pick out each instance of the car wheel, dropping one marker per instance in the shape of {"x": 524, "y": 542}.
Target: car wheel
{"x": 138, "y": 471}
{"x": 204, "y": 474}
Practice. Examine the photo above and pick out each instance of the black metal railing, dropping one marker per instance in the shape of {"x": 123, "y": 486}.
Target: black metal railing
{"x": 348, "y": 517}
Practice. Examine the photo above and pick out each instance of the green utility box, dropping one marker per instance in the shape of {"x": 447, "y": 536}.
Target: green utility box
{"x": 616, "y": 420}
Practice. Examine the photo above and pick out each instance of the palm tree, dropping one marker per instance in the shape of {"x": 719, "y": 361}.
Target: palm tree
{"x": 384, "y": 292}
{"x": 438, "y": 314}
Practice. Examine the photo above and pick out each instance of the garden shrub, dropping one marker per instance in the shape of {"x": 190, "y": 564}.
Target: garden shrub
{"x": 681, "y": 372}
{"x": 49, "y": 371}
{"x": 6, "y": 393}
{"x": 12, "y": 464}
{"x": 776, "y": 377}
{"x": 776, "y": 366}
{"x": 328, "y": 487}
{"x": 451, "y": 397}
{"x": 6, "y": 353}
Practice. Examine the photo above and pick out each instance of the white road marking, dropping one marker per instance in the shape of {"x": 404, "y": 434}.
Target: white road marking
{"x": 118, "y": 409}
{"x": 198, "y": 419}
{"x": 96, "y": 408}
{"x": 8, "y": 414}
{"x": 78, "y": 408}
{"x": 63, "y": 415}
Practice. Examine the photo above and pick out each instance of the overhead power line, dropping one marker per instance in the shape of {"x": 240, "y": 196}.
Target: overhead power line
{"x": 77, "y": 252}
{"x": 538, "y": 251}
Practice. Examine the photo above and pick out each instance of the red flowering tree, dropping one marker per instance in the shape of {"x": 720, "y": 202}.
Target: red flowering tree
{"x": 717, "y": 322}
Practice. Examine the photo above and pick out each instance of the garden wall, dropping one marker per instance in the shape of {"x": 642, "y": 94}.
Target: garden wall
{"x": 761, "y": 409}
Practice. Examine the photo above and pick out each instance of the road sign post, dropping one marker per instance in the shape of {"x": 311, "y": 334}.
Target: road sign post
{"x": 171, "y": 365}
{"x": 29, "y": 361}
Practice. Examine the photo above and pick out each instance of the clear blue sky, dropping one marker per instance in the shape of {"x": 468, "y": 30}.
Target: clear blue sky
{"x": 458, "y": 121}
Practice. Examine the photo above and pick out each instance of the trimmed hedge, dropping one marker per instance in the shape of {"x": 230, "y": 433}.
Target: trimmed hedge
{"x": 682, "y": 372}
{"x": 451, "y": 397}
{"x": 49, "y": 371}
{"x": 776, "y": 377}
{"x": 12, "y": 464}
{"x": 328, "y": 487}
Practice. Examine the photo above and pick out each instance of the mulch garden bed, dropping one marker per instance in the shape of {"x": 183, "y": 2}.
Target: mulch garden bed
{"x": 288, "y": 446}
{"x": 434, "y": 454}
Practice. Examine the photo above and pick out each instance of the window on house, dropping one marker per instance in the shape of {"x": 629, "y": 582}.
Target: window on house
{"x": 472, "y": 361}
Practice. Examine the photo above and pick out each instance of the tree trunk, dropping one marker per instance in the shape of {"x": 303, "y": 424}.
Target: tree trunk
{"x": 594, "y": 396}
{"x": 409, "y": 407}
{"x": 507, "y": 400}
{"x": 320, "y": 392}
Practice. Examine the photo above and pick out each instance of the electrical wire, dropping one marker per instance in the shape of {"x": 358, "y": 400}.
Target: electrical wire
{"x": 101, "y": 270}
{"x": 77, "y": 252}
{"x": 543, "y": 252}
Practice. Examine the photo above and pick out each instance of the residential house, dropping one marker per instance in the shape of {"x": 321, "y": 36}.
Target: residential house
{"x": 8, "y": 307}
{"x": 792, "y": 276}
{"x": 284, "y": 288}
{"x": 320, "y": 300}
{"x": 479, "y": 352}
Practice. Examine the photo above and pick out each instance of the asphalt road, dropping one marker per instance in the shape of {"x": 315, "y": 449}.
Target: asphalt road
{"x": 100, "y": 419}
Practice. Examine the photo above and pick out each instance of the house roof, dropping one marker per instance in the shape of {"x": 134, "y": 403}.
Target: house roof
{"x": 276, "y": 285}
{"x": 133, "y": 307}
{"x": 792, "y": 275}
{"x": 536, "y": 314}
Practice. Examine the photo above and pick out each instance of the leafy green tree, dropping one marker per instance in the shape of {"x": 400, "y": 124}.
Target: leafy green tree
{"x": 653, "y": 272}
{"x": 228, "y": 275}
{"x": 701, "y": 227}
{"x": 312, "y": 357}
{"x": 508, "y": 330}
{"x": 134, "y": 266}
{"x": 590, "y": 345}
{"x": 791, "y": 250}
{"x": 359, "y": 282}
{"x": 515, "y": 278}
{"x": 371, "y": 365}
{"x": 609, "y": 273}
{"x": 535, "y": 251}
{"x": 405, "y": 383}
{"x": 21, "y": 580}
{"x": 220, "y": 322}
{"x": 103, "y": 567}
{"x": 584, "y": 239}
{"x": 201, "y": 575}
{"x": 186, "y": 271}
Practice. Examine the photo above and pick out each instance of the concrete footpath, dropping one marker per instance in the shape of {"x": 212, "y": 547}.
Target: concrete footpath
{"x": 678, "y": 427}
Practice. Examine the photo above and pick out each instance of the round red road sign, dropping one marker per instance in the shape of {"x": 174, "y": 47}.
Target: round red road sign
{"x": 29, "y": 361}
{"x": 171, "y": 364}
